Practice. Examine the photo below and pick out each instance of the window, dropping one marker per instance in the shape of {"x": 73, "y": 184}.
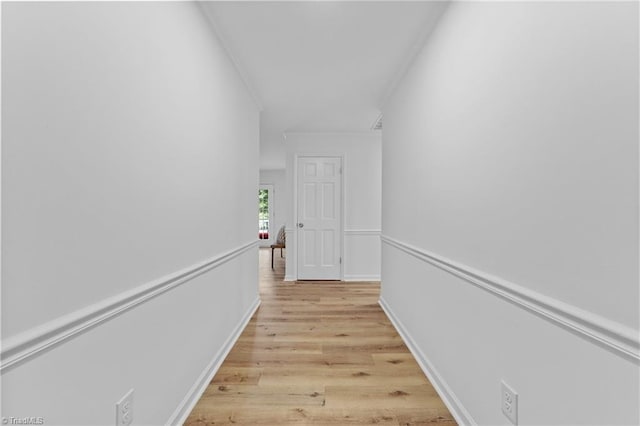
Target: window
{"x": 263, "y": 213}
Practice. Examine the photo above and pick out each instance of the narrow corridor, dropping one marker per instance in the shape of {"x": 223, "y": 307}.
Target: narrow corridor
{"x": 319, "y": 353}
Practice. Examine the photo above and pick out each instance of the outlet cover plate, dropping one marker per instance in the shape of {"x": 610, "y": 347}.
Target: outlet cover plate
{"x": 124, "y": 409}
{"x": 509, "y": 402}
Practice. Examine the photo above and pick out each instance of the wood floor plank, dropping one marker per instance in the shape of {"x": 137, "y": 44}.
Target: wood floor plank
{"x": 292, "y": 416}
{"x": 370, "y": 348}
{"x": 319, "y": 353}
{"x": 425, "y": 416}
{"x": 394, "y": 358}
{"x": 390, "y": 397}
{"x": 237, "y": 375}
{"x": 271, "y": 396}
{"x": 278, "y": 347}
{"x": 267, "y": 359}
{"x": 342, "y": 376}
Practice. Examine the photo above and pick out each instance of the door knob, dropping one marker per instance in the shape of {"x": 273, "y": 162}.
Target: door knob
{"x": 300, "y": 225}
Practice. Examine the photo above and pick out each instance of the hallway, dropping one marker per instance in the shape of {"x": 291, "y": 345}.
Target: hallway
{"x": 468, "y": 170}
{"x": 318, "y": 353}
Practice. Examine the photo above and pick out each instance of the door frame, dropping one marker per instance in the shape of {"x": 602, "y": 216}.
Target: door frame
{"x": 294, "y": 253}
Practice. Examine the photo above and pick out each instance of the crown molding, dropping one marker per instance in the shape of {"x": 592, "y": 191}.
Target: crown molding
{"x": 240, "y": 68}
{"x": 417, "y": 46}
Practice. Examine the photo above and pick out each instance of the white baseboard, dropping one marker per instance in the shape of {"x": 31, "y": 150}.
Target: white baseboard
{"x": 289, "y": 278}
{"x": 190, "y": 400}
{"x": 355, "y": 277}
{"x": 452, "y": 402}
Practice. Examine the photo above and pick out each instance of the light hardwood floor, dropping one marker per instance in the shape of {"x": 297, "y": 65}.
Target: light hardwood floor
{"x": 319, "y": 353}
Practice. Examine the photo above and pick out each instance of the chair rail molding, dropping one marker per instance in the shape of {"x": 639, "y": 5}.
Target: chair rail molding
{"x": 616, "y": 337}
{"x": 30, "y": 343}
{"x": 369, "y": 232}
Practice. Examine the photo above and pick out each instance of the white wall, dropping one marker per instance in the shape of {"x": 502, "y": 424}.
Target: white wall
{"x": 277, "y": 179}
{"x": 361, "y": 181}
{"x": 122, "y": 125}
{"x": 510, "y": 209}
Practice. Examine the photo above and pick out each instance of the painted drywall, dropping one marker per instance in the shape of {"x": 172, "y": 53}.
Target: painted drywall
{"x": 511, "y": 148}
{"x": 123, "y": 124}
{"x": 361, "y": 154}
{"x": 277, "y": 179}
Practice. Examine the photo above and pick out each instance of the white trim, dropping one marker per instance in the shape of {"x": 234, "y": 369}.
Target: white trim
{"x": 293, "y": 242}
{"x": 309, "y": 133}
{"x": 615, "y": 336}
{"x": 343, "y": 205}
{"x": 357, "y": 277}
{"x": 290, "y": 235}
{"x": 1, "y": 174}
{"x": 367, "y": 232}
{"x": 190, "y": 400}
{"x": 26, "y": 345}
{"x": 460, "y": 414}
{"x": 377, "y": 123}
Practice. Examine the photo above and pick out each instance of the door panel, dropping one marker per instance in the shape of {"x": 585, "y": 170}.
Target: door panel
{"x": 308, "y": 245}
{"x": 328, "y": 247}
{"x": 328, "y": 201}
{"x": 319, "y": 218}
{"x": 309, "y": 208}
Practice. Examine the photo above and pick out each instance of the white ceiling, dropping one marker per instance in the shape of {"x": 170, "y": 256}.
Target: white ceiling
{"x": 320, "y": 66}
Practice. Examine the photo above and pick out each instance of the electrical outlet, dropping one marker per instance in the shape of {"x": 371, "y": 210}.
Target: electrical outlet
{"x": 124, "y": 409}
{"x": 509, "y": 403}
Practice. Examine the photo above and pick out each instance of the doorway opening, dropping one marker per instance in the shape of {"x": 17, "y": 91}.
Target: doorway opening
{"x": 265, "y": 214}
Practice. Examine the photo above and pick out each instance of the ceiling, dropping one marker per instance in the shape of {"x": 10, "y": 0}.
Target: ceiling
{"x": 320, "y": 66}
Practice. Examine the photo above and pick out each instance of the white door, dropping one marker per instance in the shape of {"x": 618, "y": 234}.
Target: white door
{"x": 319, "y": 218}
